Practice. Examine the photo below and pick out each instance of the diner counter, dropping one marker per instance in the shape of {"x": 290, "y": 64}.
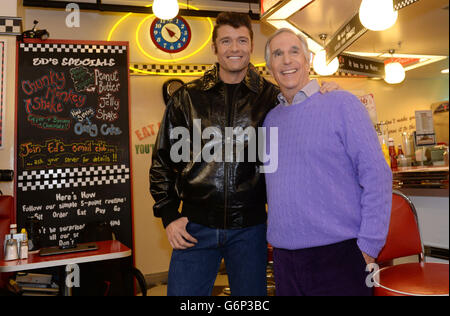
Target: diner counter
{"x": 427, "y": 187}
{"x": 422, "y": 180}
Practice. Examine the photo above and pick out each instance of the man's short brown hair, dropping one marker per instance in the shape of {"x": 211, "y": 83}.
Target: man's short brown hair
{"x": 233, "y": 19}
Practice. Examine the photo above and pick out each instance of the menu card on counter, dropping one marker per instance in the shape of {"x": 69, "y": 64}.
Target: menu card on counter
{"x": 72, "y": 152}
{"x": 424, "y": 128}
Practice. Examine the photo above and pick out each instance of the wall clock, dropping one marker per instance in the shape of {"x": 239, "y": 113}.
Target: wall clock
{"x": 170, "y": 36}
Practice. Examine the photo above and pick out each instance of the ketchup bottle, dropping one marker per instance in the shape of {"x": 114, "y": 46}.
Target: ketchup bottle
{"x": 392, "y": 154}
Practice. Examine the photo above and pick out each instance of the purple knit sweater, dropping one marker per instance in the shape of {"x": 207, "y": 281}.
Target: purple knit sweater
{"x": 332, "y": 183}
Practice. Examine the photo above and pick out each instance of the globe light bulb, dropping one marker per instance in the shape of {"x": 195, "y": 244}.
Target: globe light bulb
{"x": 377, "y": 15}
{"x": 320, "y": 64}
{"x": 394, "y": 73}
{"x": 165, "y": 9}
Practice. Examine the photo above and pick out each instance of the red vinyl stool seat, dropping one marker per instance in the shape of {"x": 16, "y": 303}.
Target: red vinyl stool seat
{"x": 412, "y": 279}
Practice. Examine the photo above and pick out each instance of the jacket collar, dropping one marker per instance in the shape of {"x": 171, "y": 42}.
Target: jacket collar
{"x": 252, "y": 79}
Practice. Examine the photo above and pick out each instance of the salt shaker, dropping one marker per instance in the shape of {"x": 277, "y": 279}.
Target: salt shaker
{"x": 24, "y": 249}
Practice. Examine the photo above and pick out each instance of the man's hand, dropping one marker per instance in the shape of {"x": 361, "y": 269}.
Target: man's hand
{"x": 329, "y": 86}
{"x": 368, "y": 258}
{"x": 178, "y": 236}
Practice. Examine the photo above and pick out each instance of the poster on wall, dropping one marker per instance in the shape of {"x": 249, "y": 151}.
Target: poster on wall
{"x": 2, "y": 88}
{"x": 369, "y": 103}
{"x": 73, "y": 142}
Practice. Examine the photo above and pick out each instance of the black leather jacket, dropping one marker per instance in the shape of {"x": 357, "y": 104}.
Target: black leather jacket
{"x": 215, "y": 194}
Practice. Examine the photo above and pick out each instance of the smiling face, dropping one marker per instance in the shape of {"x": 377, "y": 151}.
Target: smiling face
{"x": 288, "y": 64}
{"x": 233, "y": 47}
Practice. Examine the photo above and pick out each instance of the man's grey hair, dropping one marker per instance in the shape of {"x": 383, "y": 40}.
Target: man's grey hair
{"x": 267, "y": 54}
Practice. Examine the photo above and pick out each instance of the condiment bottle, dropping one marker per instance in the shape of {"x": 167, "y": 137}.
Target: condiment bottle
{"x": 385, "y": 150}
{"x": 13, "y": 229}
{"x": 393, "y": 159}
{"x": 402, "y": 161}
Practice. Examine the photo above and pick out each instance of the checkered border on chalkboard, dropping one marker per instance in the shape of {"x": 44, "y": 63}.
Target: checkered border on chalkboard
{"x": 73, "y": 48}
{"x": 35, "y": 180}
{"x": 10, "y": 25}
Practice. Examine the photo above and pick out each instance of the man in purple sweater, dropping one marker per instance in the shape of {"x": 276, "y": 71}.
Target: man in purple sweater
{"x": 330, "y": 198}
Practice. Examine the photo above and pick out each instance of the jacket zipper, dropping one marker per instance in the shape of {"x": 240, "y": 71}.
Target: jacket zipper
{"x": 229, "y": 123}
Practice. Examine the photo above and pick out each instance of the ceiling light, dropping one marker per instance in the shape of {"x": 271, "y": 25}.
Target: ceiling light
{"x": 444, "y": 71}
{"x": 165, "y": 9}
{"x": 320, "y": 61}
{"x": 320, "y": 64}
{"x": 377, "y": 15}
{"x": 394, "y": 73}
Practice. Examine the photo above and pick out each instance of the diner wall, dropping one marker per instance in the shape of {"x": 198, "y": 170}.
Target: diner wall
{"x": 396, "y": 104}
{"x": 152, "y": 251}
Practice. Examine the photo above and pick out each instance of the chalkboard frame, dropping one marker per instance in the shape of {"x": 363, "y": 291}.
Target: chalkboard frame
{"x": 125, "y": 68}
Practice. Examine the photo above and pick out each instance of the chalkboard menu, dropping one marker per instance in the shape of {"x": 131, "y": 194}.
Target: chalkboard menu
{"x": 72, "y": 150}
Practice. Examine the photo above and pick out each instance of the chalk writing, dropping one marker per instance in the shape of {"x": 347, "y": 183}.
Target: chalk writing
{"x": 108, "y": 107}
{"x": 89, "y": 62}
{"x": 53, "y": 79}
{"x": 82, "y": 115}
{"x": 83, "y": 79}
{"x": 48, "y": 122}
{"x": 107, "y": 82}
{"x": 55, "y": 153}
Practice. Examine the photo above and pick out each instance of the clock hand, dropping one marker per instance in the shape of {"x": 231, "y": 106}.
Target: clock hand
{"x": 171, "y": 33}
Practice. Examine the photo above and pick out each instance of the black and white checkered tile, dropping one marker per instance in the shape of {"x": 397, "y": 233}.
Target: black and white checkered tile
{"x": 73, "y": 48}
{"x": 155, "y": 69}
{"x": 36, "y": 180}
{"x": 197, "y": 70}
{"x": 400, "y": 4}
{"x": 10, "y": 25}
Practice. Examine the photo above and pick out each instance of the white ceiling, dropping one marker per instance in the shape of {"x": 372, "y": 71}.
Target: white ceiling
{"x": 421, "y": 28}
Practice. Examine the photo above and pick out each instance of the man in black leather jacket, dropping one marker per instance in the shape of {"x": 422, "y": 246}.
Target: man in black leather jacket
{"x": 223, "y": 213}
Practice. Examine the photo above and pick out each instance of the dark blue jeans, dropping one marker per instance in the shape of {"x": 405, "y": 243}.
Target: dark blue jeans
{"x": 193, "y": 271}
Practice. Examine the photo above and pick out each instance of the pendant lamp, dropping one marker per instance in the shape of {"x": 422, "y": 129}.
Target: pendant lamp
{"x": 394, "y": 73}
{"x": 320, "y": 64}
{"x": 165, "y": 9}
{"x": 393, "y": 70}
{"x": 377, "y": 15}
{"x": 320, "y": 61}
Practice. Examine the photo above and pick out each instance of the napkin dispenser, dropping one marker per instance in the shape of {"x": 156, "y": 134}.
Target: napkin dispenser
{"x": 11, "y": 249}
{"x": 436, "y": 154}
